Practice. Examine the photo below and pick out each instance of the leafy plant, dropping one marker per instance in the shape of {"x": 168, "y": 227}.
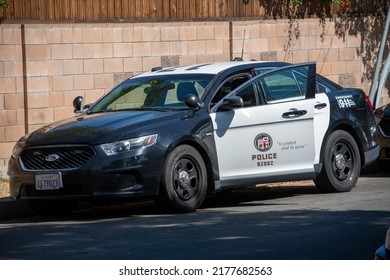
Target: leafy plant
{"x": 299, "y": 2}
{"x": 4, "y": 5}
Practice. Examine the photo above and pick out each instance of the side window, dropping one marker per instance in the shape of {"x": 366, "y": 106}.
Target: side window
{"x": 248, "y": 95}
{"x": 320, "y": 88}
{"x": 228, "y": 86}
{"x": 284, "y": 85}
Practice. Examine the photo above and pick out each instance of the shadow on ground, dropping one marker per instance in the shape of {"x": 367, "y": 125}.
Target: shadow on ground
{"x": 228, "y": 226}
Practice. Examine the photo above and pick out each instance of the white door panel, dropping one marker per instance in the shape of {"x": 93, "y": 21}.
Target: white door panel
{"x": 272, "y": 135}
{"x": 291, "y": 141}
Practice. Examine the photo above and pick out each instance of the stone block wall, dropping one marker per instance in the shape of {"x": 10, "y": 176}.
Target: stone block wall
{"x": 43, "y": 67}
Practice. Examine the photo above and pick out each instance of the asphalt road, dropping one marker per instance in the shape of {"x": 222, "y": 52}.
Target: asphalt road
{"x": 283, "y": 223}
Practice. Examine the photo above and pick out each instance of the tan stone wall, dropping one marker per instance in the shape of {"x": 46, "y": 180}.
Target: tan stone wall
{"x": 67, "y": 60}
{"x": 11, "y": 91}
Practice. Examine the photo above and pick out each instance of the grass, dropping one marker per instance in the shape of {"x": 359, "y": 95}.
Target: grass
{"x": 4, "y": 188}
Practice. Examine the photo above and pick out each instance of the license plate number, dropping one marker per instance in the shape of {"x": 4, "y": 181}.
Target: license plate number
{"x": 48, "y": 181}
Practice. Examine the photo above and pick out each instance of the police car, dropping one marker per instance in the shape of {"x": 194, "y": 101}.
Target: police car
{"x": 180, "y": 133}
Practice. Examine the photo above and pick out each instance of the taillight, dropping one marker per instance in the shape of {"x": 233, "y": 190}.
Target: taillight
{"x": 369, "y": 102}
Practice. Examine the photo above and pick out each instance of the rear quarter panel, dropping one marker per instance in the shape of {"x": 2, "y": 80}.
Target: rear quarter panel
{"x": 351, "y": 112}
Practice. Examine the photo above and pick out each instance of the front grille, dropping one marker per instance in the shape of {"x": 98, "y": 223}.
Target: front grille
{"x": 66, "y": 157}
{"x": 385, "y": 127}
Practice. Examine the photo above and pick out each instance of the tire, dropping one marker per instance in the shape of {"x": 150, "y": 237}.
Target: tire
{"x": 184, "y": 180}
{"x": 52, "y": 207}
{"x": 341, "y": 163}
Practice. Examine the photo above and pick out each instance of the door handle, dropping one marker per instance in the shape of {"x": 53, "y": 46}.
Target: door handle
{"x": 320, "y": 106}
{"x": 294, "y": 113}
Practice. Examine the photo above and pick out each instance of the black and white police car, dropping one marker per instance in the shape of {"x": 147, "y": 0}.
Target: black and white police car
{"x": 182, "y": 132}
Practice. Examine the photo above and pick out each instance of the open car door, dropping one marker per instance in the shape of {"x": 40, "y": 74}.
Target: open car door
{"x": 265, "y": 129}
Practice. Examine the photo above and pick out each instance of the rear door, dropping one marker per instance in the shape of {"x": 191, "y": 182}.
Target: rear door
{"x": 272, "y": 136}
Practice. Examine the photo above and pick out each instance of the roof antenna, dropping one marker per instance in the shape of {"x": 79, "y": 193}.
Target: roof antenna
{"x": 241, "y": 58}
{"x": 243, "y": 42}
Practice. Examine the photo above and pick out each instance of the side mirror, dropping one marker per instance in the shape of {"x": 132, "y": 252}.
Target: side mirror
{"x": 192, "y": 101}
{"x": 231, "y": 103}
{"x": 78, "y": 104}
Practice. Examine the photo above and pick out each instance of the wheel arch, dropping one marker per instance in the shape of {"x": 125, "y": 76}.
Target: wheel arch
{"x": 205, "y": 156}
{"x": 352, "y": 131}
{"x": 207, "y": 162}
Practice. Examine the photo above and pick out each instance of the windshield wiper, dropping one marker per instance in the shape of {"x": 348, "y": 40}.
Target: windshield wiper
{"x": 151, "y": 109}
{"x": 100, "y": 111}
{"x": 139, "y": 109}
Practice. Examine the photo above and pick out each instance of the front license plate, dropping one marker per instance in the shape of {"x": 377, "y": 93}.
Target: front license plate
{"x": 48, "y": 181}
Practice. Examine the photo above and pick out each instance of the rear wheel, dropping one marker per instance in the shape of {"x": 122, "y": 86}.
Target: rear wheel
{"x": 341, "y": 163}
{"x": 184, "y": 179}
{"x": 52, "y": 207}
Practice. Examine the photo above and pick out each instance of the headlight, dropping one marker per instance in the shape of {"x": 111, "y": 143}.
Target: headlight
{"x": 128, "y": 145}
{"x": 19, "y": 146}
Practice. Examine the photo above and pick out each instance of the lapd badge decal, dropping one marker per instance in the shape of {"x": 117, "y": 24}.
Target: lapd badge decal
{"x": 263, "y": 142}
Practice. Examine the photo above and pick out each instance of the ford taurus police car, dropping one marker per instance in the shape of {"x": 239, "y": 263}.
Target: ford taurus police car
{"x": 180, "y": 133}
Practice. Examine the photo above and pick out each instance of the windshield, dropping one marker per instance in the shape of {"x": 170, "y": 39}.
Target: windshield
{"x": 153, "y": 93}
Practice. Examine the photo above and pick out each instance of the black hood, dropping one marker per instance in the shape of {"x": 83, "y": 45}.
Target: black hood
{"x": 102, "y": 127}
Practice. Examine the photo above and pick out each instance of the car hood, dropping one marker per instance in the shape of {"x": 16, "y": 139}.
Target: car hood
{"x": 102, "y": 127}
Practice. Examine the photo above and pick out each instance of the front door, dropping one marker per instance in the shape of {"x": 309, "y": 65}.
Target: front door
{"x": 272, "y": 135}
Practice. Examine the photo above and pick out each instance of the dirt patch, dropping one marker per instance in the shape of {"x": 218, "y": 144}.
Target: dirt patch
{"x": 4, "y": 188}
{"x": 284, "y": 184}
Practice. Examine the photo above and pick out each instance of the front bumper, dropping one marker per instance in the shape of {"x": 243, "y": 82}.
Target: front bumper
{"x": 133, "y": 174}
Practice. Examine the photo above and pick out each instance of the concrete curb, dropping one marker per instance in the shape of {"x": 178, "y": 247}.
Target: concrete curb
{"x": 10, "y": 209}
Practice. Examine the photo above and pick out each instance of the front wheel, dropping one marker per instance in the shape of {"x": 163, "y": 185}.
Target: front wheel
{"x": 184, "y": 179}
{"x": 341, "y": 163}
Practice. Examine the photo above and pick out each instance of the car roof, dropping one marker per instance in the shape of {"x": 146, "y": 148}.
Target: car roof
{"x": 211, "y": 68}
